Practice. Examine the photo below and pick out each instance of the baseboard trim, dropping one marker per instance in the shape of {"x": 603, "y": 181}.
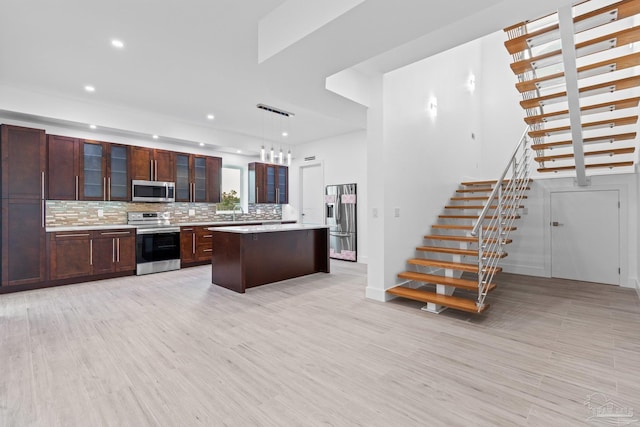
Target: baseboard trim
{"x": 378, "y": 294}
{"x": 523, "y": 269}
{"x": 637, "y": 287}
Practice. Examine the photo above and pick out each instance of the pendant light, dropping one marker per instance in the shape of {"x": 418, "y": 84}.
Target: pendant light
{"x": 280, "y": 157}
{"x": 263, "y": 154}
{"x": 289, "y": 158}
{"x": 272, "y": 154}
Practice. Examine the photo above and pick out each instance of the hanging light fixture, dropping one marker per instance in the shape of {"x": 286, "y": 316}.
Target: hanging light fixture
{"x": 284, "y": 133}
{"x": 272, "y": 155}
{"x": 280, "y": 157}
{"x": 289, "y": 158}
{"x": 263, "y": 154}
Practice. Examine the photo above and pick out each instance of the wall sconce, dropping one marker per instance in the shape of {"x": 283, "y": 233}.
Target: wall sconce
{"x": 471, "y": 83}
{"x": 432, "y": 107}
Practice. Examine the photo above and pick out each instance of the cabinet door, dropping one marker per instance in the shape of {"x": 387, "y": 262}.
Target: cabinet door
{"x": 183, "y": 179}
{"x": 62, "y": 168}
{"x": 126, "y": 253}
{"x": 187, "y": 244}
{"x": 164, "y": 165}
{"x": 204, "y": 248}
{"x": 199, "y": 173}
{"x": 271, "y": 177}
{"x": 258, "y": 183}
{"x": 93, "y": 167}
{"x": 24, "y": 153}
{"x": 282, "y": 185}
{"x": 118, "y": 184}
{"x": 104, "y": 255}
{"x": 213, "y": 179}
{"x": 23, "y": 244}
{"x": 71, "y": 255}
{"x": 141, "y": 163}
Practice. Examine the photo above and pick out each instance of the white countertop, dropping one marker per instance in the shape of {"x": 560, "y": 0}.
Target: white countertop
{"x": 269, "y": 228}
{"x": 184, "y": 224}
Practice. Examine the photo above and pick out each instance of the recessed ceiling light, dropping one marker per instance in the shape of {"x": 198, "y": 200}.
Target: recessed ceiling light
{"x": 210, "y": 116}
{"x": 202, "y": 144}
{"x": 117, "y": 43}
{"x": 155, "y": 137}
{"x": 285, "y": 134}
{"x": 89, "y": 88}
{"x": 239, "y": 151}
{"x": 92, "y": 126}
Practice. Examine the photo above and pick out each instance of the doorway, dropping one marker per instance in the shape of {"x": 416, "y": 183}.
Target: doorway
{"x": 585, "y": 236}
{"x": 312, "y": 197}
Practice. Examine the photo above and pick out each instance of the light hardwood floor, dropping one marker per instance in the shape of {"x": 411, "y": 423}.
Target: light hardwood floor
{"x": 171, "y": 350}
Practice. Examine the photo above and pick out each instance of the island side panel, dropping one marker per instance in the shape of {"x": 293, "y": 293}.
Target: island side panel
{"x": 321, "y": 246}
{"x": 227, "y": 262}
{"x": 271, "y": 257}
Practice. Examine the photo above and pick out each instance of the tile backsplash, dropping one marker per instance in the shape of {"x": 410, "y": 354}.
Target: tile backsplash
{"x": 71, "y": 213}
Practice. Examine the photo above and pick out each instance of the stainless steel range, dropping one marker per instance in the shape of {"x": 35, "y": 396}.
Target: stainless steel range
{"x": 157, "y": 242}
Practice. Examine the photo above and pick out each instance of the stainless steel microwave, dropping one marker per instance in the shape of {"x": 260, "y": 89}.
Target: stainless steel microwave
{"x": 152, "y": 191}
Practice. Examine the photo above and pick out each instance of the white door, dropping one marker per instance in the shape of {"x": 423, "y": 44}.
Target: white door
{"x": 585, "y": 236}
{"x": 312, "y": 196}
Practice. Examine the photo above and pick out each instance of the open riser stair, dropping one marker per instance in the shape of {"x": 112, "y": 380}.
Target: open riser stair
{"x": 462, "y": 250}
{"x": 582, "y": 118}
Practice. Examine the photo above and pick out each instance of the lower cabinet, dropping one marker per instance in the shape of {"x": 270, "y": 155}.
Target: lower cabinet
{"x": 90, "y": 253}
{"x": 195, "y": 245}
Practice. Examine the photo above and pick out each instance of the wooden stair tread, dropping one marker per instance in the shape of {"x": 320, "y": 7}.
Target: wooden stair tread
{"x": 623, "y": 37}
{"x": 590, "y": 166}
{"x": 457, "y": 303}
{"x": 487, "y": 197}
{"x": 590, "y": 109}
{"x": 613, "y": 64}
{"x": 468, "y": 227}
{"x": 458, "y": 251}
{"x": 434, "y": 279}
{"x": 613, "y": 85}
{"x": 592, "y": 140}
{"x": 468, "y": 239}
{"x": 611, "y": 152}
{"x": 460, "y": 266}
{"x": 480, "y": 207}
{"x": 486, "y": 190}
{"x": 472, "y": 217}
{"x": 490, "y": 182}
{"x": 622, "y": 121}
{"x": 624, "y": 9}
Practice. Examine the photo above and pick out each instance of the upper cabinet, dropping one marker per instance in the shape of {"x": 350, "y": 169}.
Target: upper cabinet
{"x": 23, "y": 162}
{"x": 152, "y": 165}
{"x": 198, "y": 178}
{"x": 87, "y": 170}
{"x": 268, "y": 183}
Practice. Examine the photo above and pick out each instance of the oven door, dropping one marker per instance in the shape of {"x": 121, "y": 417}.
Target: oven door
{"x": 157, "y": 250}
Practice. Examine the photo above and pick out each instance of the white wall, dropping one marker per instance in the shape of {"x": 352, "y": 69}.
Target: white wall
{"x": 344, "y": 161}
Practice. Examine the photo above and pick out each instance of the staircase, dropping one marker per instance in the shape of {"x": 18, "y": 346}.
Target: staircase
{"x": 469, "y": 239}
{"x": 580, "y": 103}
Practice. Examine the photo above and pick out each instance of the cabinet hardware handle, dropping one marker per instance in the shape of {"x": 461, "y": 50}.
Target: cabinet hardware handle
{"x": 207, "y": 236}
{"x": 90, "y": 252}
{"x": 43, "y": 214}
{"x": 113, "y": 233}
{"x": 257, "y": 194}
{"x": 207, "y": 250}
{"x": 43, "y": 196}
{"x": 109, "y": 188}
{"x": 113, "y": 250}
{"x": 187, "y": 229}
{"x": 118, "y": 250}
{"x": 77, "y": 187}
{"x": 150, "y": 170}
{"x": 156, "y": 167}
{"x": 72, "y": 235}
{"x": 104, "y": 188}
{"x": 193, "y": 242}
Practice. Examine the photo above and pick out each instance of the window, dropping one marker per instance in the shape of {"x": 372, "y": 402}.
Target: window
{"x": 232, "y": 194}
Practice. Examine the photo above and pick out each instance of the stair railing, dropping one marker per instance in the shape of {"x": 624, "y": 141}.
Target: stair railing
{"x": 492, "y": 230}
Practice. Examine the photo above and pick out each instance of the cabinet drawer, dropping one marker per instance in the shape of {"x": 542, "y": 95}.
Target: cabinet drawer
{"x": 70, "y": 235}
{"x": 113, "y": 233}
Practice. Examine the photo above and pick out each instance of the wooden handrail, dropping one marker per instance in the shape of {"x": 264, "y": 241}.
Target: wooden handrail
{"x": 623, "y": 37}
{"x": 620, "y": 104}
{"x": 616, "y": 64}
{"x": 615, "y": 137}
{"x": 625, "y": 9}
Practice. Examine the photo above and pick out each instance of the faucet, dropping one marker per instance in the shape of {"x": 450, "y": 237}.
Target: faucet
{"x": 233, "y": 212}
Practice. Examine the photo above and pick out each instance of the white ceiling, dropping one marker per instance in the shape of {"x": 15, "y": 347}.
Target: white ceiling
{"x": 185, "y": 59}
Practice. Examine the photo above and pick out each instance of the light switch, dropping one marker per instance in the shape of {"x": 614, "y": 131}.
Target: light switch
{"x": 100, "y": 213}
{"x": 192, "y": 212}
{"x": 374, "y": 212}
{"x": 396, "y": 212}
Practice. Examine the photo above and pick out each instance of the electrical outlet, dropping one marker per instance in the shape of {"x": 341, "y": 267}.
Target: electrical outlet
{"x": 192, "y": 212}
{"x": 100, "y": 213}
{"x": 258, "y": 211}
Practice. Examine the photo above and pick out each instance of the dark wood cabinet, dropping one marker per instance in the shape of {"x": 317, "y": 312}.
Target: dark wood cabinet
{"x": 23, "y": 245}
{"x": 62, "y": 168}
{"x": 203, "y": 243}
{"x": 152, "y": 165}
{"x": 93, "y": 170}
{"x": 91, "y": 253}
{"x": 268, "y": 183}
{"x": 187, "y": 245}
{"x": 70, "y": 254}
{"x": 198, "y": 178}
{"x": 195, "y": 245}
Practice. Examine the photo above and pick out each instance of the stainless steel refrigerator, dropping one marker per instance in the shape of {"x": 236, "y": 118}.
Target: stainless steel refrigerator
{"x": 341, "y": 211}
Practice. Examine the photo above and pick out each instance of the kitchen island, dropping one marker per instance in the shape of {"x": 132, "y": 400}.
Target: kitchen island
{"x": 244, "y": 257}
